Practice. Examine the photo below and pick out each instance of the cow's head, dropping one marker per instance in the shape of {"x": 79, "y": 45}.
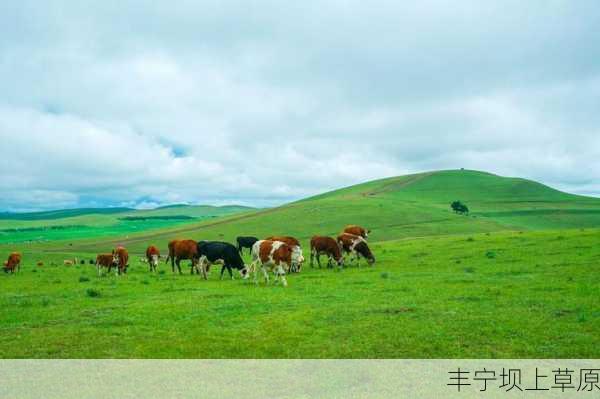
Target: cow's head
{"x": 363, "y": 249}
{"x": 245, "y": 272}
{"x": 5, "y": 263}
{"x": 115, "y": 256}
{"x": 297, "y": 259}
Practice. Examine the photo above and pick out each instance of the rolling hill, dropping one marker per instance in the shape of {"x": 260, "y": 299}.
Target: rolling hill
{"x": 399, "y": 207}
{"x": 72, "y": 224}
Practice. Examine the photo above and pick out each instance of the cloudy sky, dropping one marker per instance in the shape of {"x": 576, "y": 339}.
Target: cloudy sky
{"x": 140, "y": 103}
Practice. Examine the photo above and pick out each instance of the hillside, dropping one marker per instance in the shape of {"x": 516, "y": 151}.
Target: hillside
{"x": 95, "y": 222}
{"x": 401, "y": 207}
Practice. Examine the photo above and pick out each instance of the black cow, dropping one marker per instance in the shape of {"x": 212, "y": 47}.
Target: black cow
{"x": 210, "y": 252}
{"x": 245, "y": 242}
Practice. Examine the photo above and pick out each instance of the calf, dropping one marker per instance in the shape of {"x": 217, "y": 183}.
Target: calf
{"x": 182, "y": 250}
{"x": 106, "y": 260}
{"x": 13, "y": 263}
{"x": 152, "y": 256}
{"x": 357, "y": 231}
{"x": 275, "y": 256}
{"x": 321, "y": 245}
{"x": 212, "y": 252}
{"x": 122, "y": 259}
{"x": 297, "y": 257}
{"x": 245, "y": 242}
{"x": 356, "y": 245}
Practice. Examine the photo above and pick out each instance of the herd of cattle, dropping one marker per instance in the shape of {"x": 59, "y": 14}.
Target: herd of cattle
{"x": 276, "y": 254}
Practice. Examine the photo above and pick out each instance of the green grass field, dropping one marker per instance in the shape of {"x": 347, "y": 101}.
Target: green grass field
{"x": 73, "y": 224}
{"x": 518, "y": 278}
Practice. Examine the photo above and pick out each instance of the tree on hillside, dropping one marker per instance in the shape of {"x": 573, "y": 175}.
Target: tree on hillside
{"x": 459, "y": 207}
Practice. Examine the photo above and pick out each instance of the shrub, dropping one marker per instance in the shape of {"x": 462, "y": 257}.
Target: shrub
{"x": 83, "y": 279}
{"x": 459, "y": 207}
{"x": 92, "y": 293}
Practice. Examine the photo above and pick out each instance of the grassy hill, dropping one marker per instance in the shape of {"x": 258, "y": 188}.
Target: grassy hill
{"x": 400, "y": 207}
{"x": 73, "y": 224}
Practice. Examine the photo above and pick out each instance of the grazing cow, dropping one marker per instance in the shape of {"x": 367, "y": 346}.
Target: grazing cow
{"x": 13, "y": 263}
{"x": 356, "y": 245}
{"x": 245, "y": 242}
{"x": 357, "y": 231}
{"x": 275, "y": 256}
{"x": 68, "y": 262}
{"x": 182, "y": 250}
{"x": 121, "y": 259}
{"x": 297, "y": 257}
{"x": 152, "y": 256}
{"x": 40, "y": 263}
{"x": 106, "y": 260}
{"x": 212, "y": 252}
{"x": 321, "y": 245}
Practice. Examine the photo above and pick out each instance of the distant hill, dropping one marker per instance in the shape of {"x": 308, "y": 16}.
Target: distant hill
{"x": 60, "y": 214}
{"x": 74, "y": 224}
{"x": 409, "y": 206}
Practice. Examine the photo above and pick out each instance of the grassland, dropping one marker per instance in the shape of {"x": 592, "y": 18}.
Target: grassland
{"x": 500, "y": 295}
{"x": 516, "y": 278}
{"x": 73, "y": 224}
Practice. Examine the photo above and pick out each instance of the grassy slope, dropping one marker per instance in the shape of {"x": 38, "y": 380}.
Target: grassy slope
{"x": 399, "y": 207}
{"x": 504, "y": 295}
{"x": 77, "y": 223}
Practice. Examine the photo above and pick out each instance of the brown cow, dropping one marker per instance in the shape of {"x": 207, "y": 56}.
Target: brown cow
{"x": 297, "y": 256}
{"x": 357, "y": 231}
{"x": 275, "y": 256}
{"x": 152, "y": 255}
{"x": 183, "y": 250}
{"x": 121, "y": 259}
{"x": 108, "y": 261}
{"x": 322, "y": 245}
{"x": 13, "y": 263}
{"x": 356, "y": 245}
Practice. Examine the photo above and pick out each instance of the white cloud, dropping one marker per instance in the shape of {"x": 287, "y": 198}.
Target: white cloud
{"x": 207, "y": 102}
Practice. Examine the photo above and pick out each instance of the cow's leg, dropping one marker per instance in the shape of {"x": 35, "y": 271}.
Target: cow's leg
{"x": 319, "y": 259}
{"x": 177, "y": 263}
{"x": 281, "y": 274}
{"x": 265, "y": 274}
{"x": 203, "y": 266}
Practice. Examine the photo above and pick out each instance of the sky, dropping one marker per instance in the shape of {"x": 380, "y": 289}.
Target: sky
{"x": 145, "y": 103}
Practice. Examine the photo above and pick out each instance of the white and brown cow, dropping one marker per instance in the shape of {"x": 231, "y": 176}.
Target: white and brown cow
{"x": 275, "y": 256}
{"x": 297, "y": 256}
{"x": 357, "y": 246}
